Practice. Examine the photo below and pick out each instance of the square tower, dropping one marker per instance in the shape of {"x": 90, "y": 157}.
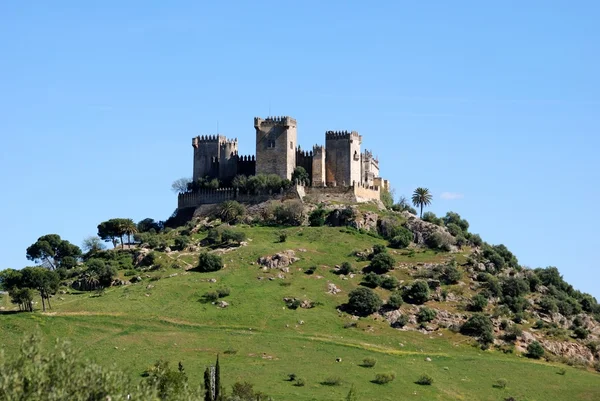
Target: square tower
{"x": 206, "y": 155}
{"x": 276, "y": 141}
{"x": 343, "y": 158}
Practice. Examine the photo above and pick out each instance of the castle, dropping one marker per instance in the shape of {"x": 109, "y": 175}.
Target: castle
{"x": 338, "y": 164}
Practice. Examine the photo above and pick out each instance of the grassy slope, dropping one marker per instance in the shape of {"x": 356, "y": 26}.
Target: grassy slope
{"x": 265, "y": 342}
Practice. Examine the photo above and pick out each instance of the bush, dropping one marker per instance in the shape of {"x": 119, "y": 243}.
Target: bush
{"x": 425, "y": 380}
{"x": 211, "y": 296}
{"x": 316, "y": 218}
{"x": 548, "y": 305}
{"x": 208, "y": 262}
{"x": 478, "y": 303}
{"x": 282, "y": 236}
{"x": 535, "y": 350}
{"x": 440, "y": 240}
{"x": 300, "y": 382}
{"x": 290, "y": 213}
{"x": 382, "y": 263}
{"x": 430, "y": 217}
{"x": 479, "y": 326}
{"x": 426, "y": 315}
{"x": 231, "y": 211}
{"x": 395, "y": 301}
{"x": 476, "y": 240}
{"x": 500, "y": 383}
{"x": 451, "y": 274}
{"x": 403, "y": 239}
{"x": 332, "y": 381}
{"x": 182, "y": 242}
{"x": 581, "y": 333}
{"x": 362, "y": 301}
{"x": 401, "y": 321}
{"x": 512, "y": 333}
{"x": 417, "y": 293}
{"x": 384, "y": 378}
{"x": 223, "y": 292}
{"x": 389, "y": 282}
{"x": 371, "y": 280}
{"x": 368, "y": 362}
{"x": 346, "y": 268}
{"x": 377, "y": 249}
{"x": 233, "y": 237}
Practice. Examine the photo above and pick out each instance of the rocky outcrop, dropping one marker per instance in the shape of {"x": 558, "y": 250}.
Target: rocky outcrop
{"x": 421, "y": 230}
{"x": 279, "y": 260}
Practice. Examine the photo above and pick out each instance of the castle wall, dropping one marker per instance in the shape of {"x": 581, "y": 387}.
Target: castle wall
{"x": 276, "y": 141}
{"x": 343, "y": 158}
{"x": 206, "y": 152}
{"x": 318, "y": 166}
{"x": 246, "y": 165}
{"x": 304, "y": 159}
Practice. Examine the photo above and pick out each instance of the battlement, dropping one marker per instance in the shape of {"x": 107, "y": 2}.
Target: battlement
{"x": 368, "y": 156}
{"x": 229, "y": 142}
{"x": 336, "y": 135}
{"x": 303, "y": 153}
{"x": 246, "y": 158}
{"x": 207, "y": 139}
{"x": 279, "y": 120}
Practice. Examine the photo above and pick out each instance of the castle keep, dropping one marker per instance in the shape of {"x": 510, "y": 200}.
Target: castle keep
{"x": 338, "y": 164}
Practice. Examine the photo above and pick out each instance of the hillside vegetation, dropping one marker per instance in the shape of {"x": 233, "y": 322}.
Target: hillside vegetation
{"x": 314, "y": 302}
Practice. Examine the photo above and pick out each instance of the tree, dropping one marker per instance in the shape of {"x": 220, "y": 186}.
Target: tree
{"x": 105, "y": 272}
{"x": 44, "y": 281}
{"x": 387, "y": 197}
{"x": 230, "y": 211}
{"x": 148, "y": 224}
{"x": 53, "y": 252}
{"x": 421, "y": 197}
{"x": 129, "y": 228}
{"x": 417, "y": 293}
{"x": 180, "y": 185}
{"x": 208, "y": 262}
{"x": 480, "y": 326}
{"x": 92, "y": 244}
{"x": 300, "y": 175}
{"x": 535, "y": 350}
{"x": 362, "y": 301}
{"x": 382, "y": 263}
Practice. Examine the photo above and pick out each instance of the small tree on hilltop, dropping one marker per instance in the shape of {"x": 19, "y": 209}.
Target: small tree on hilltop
{"x": 180, "y": 185}
{"x": 362, "y": 302}
{"x": 53, "y": 252}
{"x": 421, "y": 197}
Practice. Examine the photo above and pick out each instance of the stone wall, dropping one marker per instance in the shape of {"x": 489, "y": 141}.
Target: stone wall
{"x": 246, "y": 165}
{"x": 212, "y": 196}
{"x": 276, "y": 142}
{"x": 318, "y": 166}
{"x": 304, "y": 159}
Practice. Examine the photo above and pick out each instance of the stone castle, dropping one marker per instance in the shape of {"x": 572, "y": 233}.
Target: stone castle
{"x": 339, "y": 164}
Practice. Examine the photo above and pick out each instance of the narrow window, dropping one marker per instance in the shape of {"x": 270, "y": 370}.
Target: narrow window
{"x": 291, "y": 145}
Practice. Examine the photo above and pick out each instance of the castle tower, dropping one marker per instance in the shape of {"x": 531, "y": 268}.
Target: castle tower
{"x": 206, "y": 155}
{"x": 318, "y": 166}
{"x": 370, "y": 168}
{"x": 343, "y": 157}
{"x": 276, "y": 141}
{"x": 228, "y": 159}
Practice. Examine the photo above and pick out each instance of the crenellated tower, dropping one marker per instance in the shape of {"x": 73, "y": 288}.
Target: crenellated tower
{"x": 276, "y": 141}
{"x": 228, "y": 159}
{"x": 343, "y": 158}
{"x": 370, "y": 168}
{"x": 318, "y": 166}
{"x": 206, "y": 155}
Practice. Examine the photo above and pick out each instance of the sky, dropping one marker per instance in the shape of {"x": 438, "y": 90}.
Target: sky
{"x": 493, "y": 106}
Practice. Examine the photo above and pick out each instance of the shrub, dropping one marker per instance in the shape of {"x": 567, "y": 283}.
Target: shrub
{"x": 233, "y": 237}
{"x": 368, "y": 362}
{"x": 426, "y": 315}
{"x": 401, "y": 321}
{"x": 430, "y": 217}
{"x": 395, "y": 301}
{"x": 208, "y": 262}
{"x": 384, "y": 378}
{"x": 478, "y": 303}
{"x": 316, "y": 218}
{"x": 223, "y": 292}
{"x": 440, "y": 240}
{"x": 300, "y": 382}
{"x": 290, "y": 213}
{"x": 425, "y": 380}
{"x": 512, "y": 333}
{"x": 182, "y": 242}
{"x": 535, "y": 350}
{"x": 332, "y": 381}
{"x": 479, "y": 326}
{"x": 548, "y": 304}
{"x": 402, "y": 239}
{"x": 454, "y": 229}
{"x": 211, "y": 296}
{"x": 417, "y": 293}
{"x": 451, "y": 274}
{"x": 515, "y": 287}
{"x": 500, "y": 383}
{"x": 371, "y": 280}
{"x": 149, "y": 259}
{"x": 382, "y": 263}
{"x": 452, "y": 218}
{"x": 378, "y": 249}
{"x": 476, "y": 240}
{"x": 580, "y": 332}
{"x": 539, "y": 324}
{"x": 282, "y": 236}
{"x": 389, "y": 282}
{"x": 362, "y": 301}
{"x": 346, "y": 268}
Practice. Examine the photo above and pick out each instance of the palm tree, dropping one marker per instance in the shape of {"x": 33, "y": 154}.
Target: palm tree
{"x": 421, "y": 197}
{"x": 129, "y": 228}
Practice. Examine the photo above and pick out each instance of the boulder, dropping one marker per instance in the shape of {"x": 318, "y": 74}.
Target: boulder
{"x": 333, "y": 289}
{"x": 222, "y": 304}
{"x": 279, "y": 260}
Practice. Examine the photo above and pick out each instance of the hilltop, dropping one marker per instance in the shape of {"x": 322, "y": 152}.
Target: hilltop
{"x": 454, "y": 308}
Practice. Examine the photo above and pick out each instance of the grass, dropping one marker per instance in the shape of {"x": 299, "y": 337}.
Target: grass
{"x": 262, "y": 341}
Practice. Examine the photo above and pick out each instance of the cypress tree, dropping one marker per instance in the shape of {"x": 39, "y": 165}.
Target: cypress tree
{"x": 217, "y": 379}
{"x": 208, "y": 395}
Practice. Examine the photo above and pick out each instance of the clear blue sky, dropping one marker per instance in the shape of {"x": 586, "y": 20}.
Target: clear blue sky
{"x": 494, "y": 102}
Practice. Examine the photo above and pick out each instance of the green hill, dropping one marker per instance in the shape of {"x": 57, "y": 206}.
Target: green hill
{"x": 261, "y": 339}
